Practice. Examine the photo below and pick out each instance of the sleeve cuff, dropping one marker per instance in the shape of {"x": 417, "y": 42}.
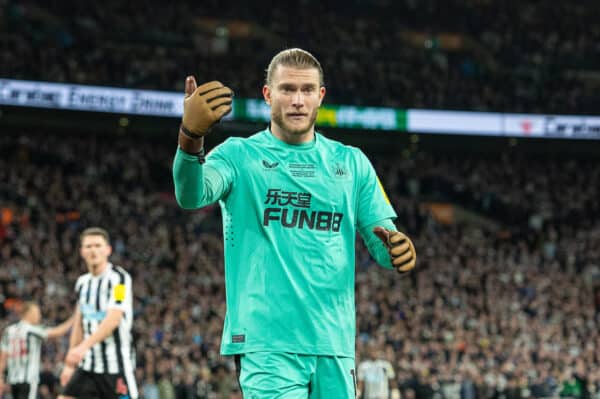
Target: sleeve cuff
{"x": 199, "y": 157}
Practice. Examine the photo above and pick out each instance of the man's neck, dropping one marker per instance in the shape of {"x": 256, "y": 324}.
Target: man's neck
{"x": 290, "y": 138}
{"x": 97, "y": 270}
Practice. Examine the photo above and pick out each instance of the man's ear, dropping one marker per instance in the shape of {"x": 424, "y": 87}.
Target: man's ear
{"x": 322, "y": 92}
{"x": 267, "y": 94}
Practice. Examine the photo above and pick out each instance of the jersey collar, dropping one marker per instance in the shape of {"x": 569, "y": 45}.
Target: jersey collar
{"x": 297, "y": 147}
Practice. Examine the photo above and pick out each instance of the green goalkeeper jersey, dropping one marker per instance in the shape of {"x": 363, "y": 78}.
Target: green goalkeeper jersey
{"x": 290, "y": 214}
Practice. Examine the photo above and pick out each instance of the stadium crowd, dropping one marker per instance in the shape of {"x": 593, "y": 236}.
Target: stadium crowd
{"x": 525, "y": 56}
{"x": 494, "y": 310}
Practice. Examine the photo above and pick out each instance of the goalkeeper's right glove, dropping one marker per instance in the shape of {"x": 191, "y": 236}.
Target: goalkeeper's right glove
{"x": 204, "y": 107}
{"x": 401, "y": 249}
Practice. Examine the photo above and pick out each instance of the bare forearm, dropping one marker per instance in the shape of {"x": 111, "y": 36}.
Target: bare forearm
{"x": 77, "y": 331}
{"x": 2, "y": 364}
{"x": 61, "y": 329}
{"x": 106, "y": 328}
{"x": 189, "y": 144}
{"x": 76, "y": 336}
{"x": 360, "y": 387}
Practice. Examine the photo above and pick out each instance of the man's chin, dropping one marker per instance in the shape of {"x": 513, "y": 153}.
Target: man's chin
{"x": 299, "y": 132}
{"x": 297, "y": 129}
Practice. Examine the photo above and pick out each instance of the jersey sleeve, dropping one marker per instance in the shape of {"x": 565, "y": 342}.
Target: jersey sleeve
{"x": 389, "y": 370}
{"x": 40, "y": 332}
{"x": 198, "y": 185}
{"x": 222, "y": 160}
{"x": 121, "y": 292}
{"x": 4, "y": 341}
{"x": 376, "y": 248}
{"x": 77, "y": 290}
{"x": 360, "y": 373}
{"x": 373, "y": 203}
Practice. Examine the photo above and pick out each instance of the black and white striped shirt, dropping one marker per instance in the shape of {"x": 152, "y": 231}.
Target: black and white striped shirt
{"x": 22, "y": 342}
{"x": 96, "y": 295}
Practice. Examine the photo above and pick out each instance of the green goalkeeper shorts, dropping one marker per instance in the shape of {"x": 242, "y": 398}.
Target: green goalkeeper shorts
{"x": 266, "y": 375}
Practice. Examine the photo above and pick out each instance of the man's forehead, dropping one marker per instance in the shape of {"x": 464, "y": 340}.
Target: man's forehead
{"x": 93, "y": 239}
{"x": 289, "y": 74}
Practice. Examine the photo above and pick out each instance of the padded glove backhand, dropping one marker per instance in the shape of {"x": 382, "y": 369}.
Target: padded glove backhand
{"x": 204, "y": 107}
{"x": 401, "y": 249}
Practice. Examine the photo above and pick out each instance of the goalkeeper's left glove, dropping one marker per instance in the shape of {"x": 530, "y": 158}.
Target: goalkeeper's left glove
{"x": 204, "y": 106}
{"x": 401, "y": 249}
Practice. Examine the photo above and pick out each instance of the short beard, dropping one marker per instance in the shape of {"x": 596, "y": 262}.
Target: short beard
{"x": 277, "y": 117}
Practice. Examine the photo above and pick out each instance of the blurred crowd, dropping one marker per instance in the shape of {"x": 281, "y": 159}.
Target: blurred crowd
{"x": 519, "y": 190}
{"x": 494, "y": 309}
{"x": 504, "y": 56}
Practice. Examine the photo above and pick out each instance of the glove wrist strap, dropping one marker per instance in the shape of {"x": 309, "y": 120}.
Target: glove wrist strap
{"x": 189, "y": 133}
{"x": 192, "y": 146}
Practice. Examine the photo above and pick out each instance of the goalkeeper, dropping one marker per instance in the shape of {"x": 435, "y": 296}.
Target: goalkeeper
{"x": 291, "y": 202}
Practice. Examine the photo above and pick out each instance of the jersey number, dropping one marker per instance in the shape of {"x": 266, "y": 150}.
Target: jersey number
{"x": 18, "y": 348}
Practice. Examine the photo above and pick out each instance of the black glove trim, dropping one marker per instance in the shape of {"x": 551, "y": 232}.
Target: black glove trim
{"x": 188, "y": 133}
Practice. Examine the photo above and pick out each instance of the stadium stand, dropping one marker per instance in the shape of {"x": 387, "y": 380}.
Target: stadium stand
{"x": 525, "y": 56}
{"x": 505, "y": 301}
{"x": 505, "y": 310}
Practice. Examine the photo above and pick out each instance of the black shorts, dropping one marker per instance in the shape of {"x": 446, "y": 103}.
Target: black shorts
{"x": 23, "y": 391}
{"x": 86, "y": 385}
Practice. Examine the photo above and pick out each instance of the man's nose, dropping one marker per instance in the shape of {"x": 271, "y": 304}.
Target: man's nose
{"x": 298, "y": 99}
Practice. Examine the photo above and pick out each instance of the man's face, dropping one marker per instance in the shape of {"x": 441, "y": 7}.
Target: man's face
{"x": 295, "y": 96}
{"x": 35, "y": 315}
{"x": 95, "y": 252}
{"x": 373, "y": 351}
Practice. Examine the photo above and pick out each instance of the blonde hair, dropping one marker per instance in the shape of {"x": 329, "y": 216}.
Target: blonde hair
{"x": 94, "y": 231}
{"x": 296, "y": 58}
